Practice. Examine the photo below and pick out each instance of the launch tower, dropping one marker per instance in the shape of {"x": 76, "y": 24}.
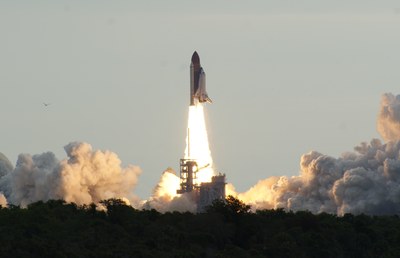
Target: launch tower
{"x": 204, "y": 193}
{"x": 188, "y": 171}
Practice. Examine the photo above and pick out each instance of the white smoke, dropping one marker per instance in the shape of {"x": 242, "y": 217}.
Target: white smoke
{"x": 91, "y": 176}
{"x": 181, "y": 203}
{"x": 165, "y": 198}
{"x": 86, "y": 176}
{"x": 364, "y": 181}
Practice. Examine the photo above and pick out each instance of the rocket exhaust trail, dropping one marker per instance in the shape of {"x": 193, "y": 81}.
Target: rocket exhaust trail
{"x": 197, "y": 147}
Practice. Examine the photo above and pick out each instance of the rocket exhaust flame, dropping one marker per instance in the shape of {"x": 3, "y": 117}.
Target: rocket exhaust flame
{"x": 197, "y": 147}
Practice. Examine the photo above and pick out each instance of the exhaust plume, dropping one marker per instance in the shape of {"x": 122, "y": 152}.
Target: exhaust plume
{"x": 165, "y": 198}
{"x": 197, "y": 146}
{"x": 364, "y": 181}
{"x": 86, "y": 176}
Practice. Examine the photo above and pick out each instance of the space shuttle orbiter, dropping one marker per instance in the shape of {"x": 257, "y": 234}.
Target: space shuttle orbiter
{"x": 197, "y": 82}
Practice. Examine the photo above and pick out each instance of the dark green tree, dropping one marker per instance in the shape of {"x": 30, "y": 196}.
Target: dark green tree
{"x": 230, "y": 205}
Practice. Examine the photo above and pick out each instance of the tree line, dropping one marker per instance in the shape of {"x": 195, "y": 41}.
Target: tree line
{"x": 228, "y": 228}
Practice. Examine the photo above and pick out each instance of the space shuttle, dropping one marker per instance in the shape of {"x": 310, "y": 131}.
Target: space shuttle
{"x": 198, "y": 93}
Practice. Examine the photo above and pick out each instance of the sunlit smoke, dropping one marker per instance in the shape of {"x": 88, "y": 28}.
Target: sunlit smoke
{"x": 87, "y": 176}
{"x": 364, "y": 181}
{"x": 168, "y": 185}
{"x": 165, "y": 197}
{"x": 3, "y": 200}
{"x": 197, "y": 147}
{"x": 389, "y": 117}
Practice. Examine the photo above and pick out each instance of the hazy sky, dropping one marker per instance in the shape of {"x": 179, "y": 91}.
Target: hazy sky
{"x": 286, "y": 77}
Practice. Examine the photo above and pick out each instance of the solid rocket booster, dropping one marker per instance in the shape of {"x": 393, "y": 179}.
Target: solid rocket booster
{"x": 197, "y": 82}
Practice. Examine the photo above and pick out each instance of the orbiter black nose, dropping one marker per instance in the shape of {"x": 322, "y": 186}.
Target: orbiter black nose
{"x": 195, "y": 58}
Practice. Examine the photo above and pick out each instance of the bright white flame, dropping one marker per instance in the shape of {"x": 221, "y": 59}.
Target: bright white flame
{"x": 197, "y": 147}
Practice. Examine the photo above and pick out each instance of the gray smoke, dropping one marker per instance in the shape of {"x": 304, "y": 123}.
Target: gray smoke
{"x": 86, "y": 176}
{"x": 5, "y": 165}
{"x": 364, "y": 181}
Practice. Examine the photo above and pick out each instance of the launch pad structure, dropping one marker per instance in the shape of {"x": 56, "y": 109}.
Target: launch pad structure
{"x": 204, "y": 193}
{"x": 188, "y": 174}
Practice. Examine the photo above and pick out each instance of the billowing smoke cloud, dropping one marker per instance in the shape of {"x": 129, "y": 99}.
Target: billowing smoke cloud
{"x": 86, "y": 176}
{"x": 389, "y": 117}
{"x": 364, "y": 181}
{"x": 165, "y": 198}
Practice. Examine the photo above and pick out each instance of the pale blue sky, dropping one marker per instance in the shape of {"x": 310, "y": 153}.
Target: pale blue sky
{"x": 286, "y": 77}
